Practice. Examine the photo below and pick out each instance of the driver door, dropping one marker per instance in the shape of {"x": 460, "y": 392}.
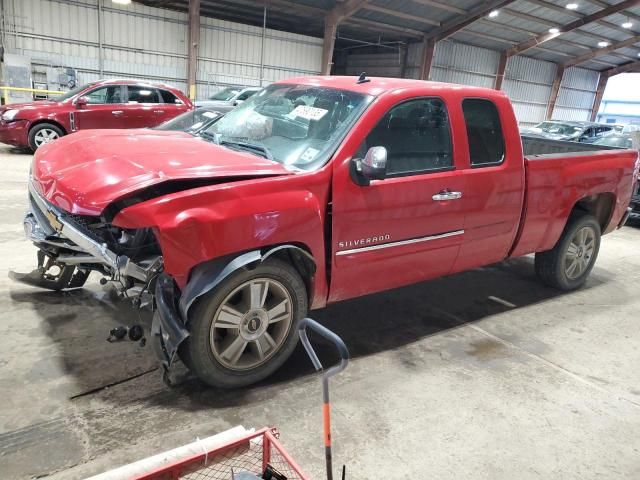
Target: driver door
{"x": 408, "y": 226}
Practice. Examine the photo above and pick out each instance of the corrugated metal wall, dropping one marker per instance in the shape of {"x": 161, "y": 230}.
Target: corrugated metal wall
{"x": 528, "y": 83}
{"x": 577, "y": 94}
{"x": 232, "y": 53}
{"x": 151, "y": 43}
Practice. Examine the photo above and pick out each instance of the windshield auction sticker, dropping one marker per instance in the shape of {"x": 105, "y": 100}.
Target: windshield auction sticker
{"x": 308, "y": 113}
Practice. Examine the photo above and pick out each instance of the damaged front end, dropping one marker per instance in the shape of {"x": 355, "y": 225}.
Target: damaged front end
{"x": 71, "y": 246}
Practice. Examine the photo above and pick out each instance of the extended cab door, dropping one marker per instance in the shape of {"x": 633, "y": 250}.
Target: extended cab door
{"x": 409, "y": 226}
{"x": 105, "y": 109}
{"x": 494, "y": 181}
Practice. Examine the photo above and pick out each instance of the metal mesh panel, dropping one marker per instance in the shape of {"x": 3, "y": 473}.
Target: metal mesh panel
{"x": 247, "y": 457}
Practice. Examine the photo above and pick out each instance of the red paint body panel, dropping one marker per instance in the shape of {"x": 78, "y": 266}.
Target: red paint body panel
{"x": 85, "y": 172}
{"x": 134, "y": 115}
{"x": 254, "y": 203}
{"x": 555, "y": 183}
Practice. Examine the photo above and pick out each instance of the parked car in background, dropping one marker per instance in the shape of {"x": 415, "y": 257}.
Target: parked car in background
{"x": 618, "y": 140}
{"x": 314, "y": 191}
{"x": 192, "y": 121}
{"x": 228, "y": 98}
{"x": 569, "y": 131}
{"x": 103, "y": 104}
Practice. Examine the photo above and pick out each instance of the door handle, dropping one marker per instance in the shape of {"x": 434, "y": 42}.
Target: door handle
{"x": 447, "y": 195}
{"x": 117, "y": 112}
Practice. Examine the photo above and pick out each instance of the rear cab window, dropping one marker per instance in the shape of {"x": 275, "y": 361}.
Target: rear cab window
{"x": 484, "y": 132}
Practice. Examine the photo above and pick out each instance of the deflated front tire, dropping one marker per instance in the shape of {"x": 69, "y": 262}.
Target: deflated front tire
{"x": 246, "y": 328}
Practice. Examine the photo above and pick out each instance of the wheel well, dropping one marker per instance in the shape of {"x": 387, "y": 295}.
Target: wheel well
{"x": 300, "y": 257}
{"x": 51, "y": 122}
{"x": 600, "y": 206}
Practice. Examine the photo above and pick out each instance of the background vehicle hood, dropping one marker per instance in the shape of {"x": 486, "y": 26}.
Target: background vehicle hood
{"x": 84, "y": 172}
{"x": 40, "y": 104}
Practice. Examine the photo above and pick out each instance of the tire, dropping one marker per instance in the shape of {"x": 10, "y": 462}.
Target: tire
{"x": 225, "y": 318}
{"x": 43, "y": 133}
{"x": 570, "y": 262}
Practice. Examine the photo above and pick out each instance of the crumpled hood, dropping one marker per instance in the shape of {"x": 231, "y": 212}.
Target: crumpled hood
{"x": 84, "y": 172}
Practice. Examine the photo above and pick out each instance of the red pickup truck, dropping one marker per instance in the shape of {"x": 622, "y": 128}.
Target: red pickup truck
{"x": 313, "y": 191}
{"x": 104, "y": 104}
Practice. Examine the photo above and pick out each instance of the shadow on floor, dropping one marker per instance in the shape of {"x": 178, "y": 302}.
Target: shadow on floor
{"x": 78, "y": 323}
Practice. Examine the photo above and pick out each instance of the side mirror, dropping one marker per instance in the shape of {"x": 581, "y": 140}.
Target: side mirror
{"x": 82, "y": 102}
{"x": 373, "y": 166}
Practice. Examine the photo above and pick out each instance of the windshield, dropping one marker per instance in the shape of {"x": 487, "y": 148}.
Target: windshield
{"x": 558, "y": 128}
{"x": 225, "y": 94}
{"x": 299, "y": 126}
{"x": 70, "y": 94}
{"x": 189, "y": 121}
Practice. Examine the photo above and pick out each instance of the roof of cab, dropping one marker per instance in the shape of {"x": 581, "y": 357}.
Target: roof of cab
{"x": 379, "y": 85}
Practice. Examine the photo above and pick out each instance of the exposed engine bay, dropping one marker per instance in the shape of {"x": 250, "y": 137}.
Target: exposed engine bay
{"x": 72, "y": 246}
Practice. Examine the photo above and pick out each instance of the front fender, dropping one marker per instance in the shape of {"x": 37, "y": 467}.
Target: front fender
{"x": 218, "y": 222}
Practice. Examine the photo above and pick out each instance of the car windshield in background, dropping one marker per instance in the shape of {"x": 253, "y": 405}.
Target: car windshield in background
{"x": 558, "y": 128}
{"x": 299, "y": 126}
{"x": 225, "y": 95}
{"x": 189, "y": 121}
{"x": 618, "y": 141}
{"x": 71, "y": 93}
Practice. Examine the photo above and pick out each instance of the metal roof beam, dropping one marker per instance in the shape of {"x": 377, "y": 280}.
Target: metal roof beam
{"x": 404, "y": 16}
{"x": 441, "y": 6}
{"x": 560, "y": 8}
{"x": 601, "y": 4}
{"x": 463, "y": 21}
{"x": 580, "y": 22}
{"x": 630, "y": 67}
{"x": 602, "y": 51}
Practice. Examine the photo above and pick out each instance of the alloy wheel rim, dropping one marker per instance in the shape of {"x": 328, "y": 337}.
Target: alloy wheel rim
{"x": 580, "y": 252}
{"x": 251, "y": 324}
{"x": 45, "y": 135}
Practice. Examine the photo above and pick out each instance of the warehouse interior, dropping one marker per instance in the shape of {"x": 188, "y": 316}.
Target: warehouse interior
{"x": 484, "y": 373}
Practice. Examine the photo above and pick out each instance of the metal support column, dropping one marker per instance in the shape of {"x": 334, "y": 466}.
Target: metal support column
{"x": 328, "y": 42}
{"x": 597, "y": 101}
{"x": 502, "y": 67}
{"x": 264, "y": 37}
{"x": 100, "y": 39}
{"x": 428, "y": 51}
{"x": 555, "y": 89}
{"x": 194, "y": 41}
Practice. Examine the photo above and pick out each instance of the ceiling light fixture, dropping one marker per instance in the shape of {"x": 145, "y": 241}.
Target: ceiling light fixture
{"x": 603, "y": 44}
{"x": 572, "y": 6}
{"x": 494, "y": 13}
{"x": 627, "y": 24}
{"x": 554, "y": 30}
{"x": 122, "y": 2}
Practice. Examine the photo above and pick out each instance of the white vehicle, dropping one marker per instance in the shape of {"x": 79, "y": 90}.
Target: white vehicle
{"x": 228, "y": 98}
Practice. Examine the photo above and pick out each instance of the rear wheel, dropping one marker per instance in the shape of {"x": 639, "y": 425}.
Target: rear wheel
{"x": 569, "y": 263}
{"x": 245, "y": 329}
{"x": 43, "y": 133}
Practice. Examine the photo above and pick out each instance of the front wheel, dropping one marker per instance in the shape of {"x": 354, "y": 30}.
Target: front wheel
{"x": 43, "y": 133}
{"x": 245, "y": 329}
{"x": 569, "y": 263}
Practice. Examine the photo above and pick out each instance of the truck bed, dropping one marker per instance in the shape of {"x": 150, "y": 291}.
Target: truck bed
{"x": 534, "y": 145}
{"x": 602, "y": 179}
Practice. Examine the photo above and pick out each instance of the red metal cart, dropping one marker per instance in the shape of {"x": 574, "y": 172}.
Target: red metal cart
{"x": 257, "y": 455}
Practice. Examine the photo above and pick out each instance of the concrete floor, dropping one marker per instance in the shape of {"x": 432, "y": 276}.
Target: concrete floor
{"x": 445, "y": 382}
